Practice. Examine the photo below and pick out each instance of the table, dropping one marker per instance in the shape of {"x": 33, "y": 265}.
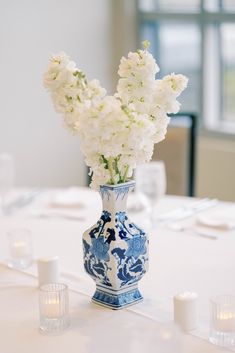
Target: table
{"x": 179, "y": 261}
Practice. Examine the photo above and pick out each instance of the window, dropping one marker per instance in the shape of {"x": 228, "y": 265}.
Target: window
{"x": 196, "y": 38}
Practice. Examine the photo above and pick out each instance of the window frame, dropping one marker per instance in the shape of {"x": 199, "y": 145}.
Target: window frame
{"x": 204, "y": 19}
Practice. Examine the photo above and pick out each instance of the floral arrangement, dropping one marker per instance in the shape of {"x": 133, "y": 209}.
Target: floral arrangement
{"x": 116, "y": 132}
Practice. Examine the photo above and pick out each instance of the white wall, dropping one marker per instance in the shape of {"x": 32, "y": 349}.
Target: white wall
{"x": 45, "y": 154}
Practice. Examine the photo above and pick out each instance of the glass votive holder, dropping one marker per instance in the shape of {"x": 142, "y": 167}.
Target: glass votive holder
{"x": 20, "y": 248}
{"x": 222, "y": 320}
{"x": 54, "y": 308}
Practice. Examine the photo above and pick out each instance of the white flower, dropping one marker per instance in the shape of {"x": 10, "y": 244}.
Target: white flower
{"x": 116, "y": 132}
{"x": 176, "y": 82}
{"x": 139, "y": 64}
{"x": 164, "y": 96}
{"x": 60, "y": 71}
{"x": 95, "y": 90}
{"x": 137, "y": 78}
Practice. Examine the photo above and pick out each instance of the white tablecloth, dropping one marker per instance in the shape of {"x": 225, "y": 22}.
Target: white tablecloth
{"x": 179, "y": 261}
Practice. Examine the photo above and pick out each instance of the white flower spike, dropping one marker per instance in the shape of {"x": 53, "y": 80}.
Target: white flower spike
{"x": 116, "y": 132}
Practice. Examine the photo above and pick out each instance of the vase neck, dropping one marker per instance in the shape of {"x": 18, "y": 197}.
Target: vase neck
{"x": 114, "y": 197}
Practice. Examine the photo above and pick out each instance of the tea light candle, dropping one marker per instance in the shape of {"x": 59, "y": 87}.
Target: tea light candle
{"x": 51, "y": 309}
{"x": 48, "y": 270}
{"x": 185, "y": 310}
{"x": 224, "y": 321}
{"x": 19, "y": 249}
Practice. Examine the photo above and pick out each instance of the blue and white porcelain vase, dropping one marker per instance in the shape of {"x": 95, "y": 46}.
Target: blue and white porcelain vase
{"x": 115, "y": 251}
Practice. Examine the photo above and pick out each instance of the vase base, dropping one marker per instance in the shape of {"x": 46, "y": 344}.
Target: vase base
{"x": 115, "y": 299}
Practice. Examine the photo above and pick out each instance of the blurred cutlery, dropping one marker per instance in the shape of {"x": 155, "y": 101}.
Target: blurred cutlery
{"x": 194, "y": 230}
{"x": 49, "y": 214}
{"x": 187, "y": 211}
{"x": 22, "y": 201}
{"x": 204, "y": 233}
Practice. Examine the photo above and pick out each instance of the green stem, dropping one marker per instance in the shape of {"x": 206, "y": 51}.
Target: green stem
{"x": 110, "y": 168}
{"x": 117, "y": 171}
{"x": 125, "y": 174}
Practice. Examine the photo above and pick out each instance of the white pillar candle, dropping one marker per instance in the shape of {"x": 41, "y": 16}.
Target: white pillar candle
{"x": 185, "y": 310}
{"x": 48, "y": 270}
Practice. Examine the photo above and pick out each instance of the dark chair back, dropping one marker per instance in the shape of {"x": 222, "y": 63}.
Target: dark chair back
{"x": 178, "y": 153}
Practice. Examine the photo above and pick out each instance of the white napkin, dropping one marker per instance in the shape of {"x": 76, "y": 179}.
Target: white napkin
{"x": 70, "y": 198}
{"x": 223, "y": 220}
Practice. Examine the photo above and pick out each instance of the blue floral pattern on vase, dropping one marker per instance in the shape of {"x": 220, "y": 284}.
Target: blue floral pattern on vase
{"x": 99, "y": 248}
{"x": 136, "y": 247}
{"x": 115, "y": 251}
{"x": 96, "y": 254}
